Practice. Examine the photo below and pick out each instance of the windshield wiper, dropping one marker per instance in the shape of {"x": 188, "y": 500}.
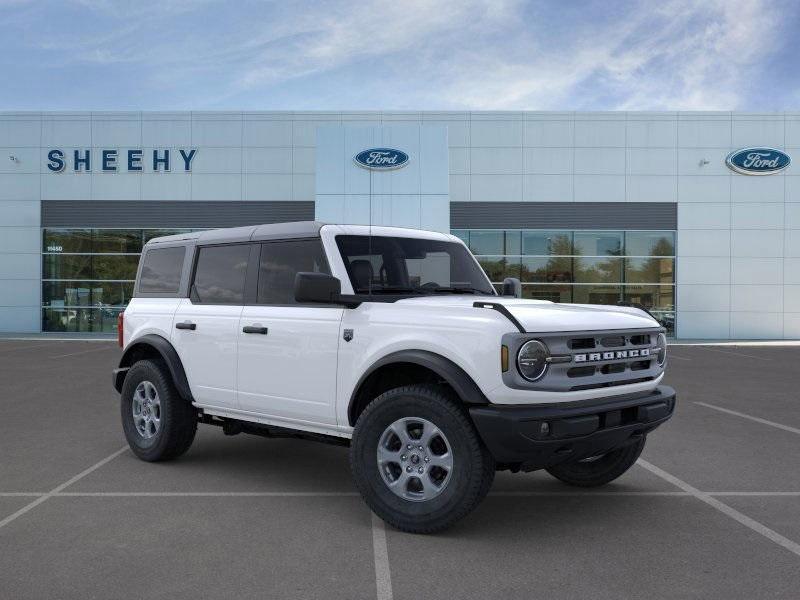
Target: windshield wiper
{"x": 389, "y": 290}
{"x": 458, "y": 290}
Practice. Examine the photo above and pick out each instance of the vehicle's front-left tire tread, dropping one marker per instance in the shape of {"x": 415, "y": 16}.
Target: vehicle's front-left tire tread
{"x": 178, "y": 416}
{"x": 475, "y": 465}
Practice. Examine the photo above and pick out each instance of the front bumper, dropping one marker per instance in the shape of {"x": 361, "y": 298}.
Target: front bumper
{"x": 534, "y": 437}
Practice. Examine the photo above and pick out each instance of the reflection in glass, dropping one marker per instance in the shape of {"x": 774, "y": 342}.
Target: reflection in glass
{"x": 650, "y": 243}
{"x": 495, "y": 268}
{"x": 649, "y": 270}
{"x": 90, "y": 320}
{"x": 658, "y": 297}
{"x": 67, "y": 240}
{"x": 67, "y": 266}
{"x": 597, "y": 294}
{"x": 86, "y": 293}
{"x": 546, "y": 270}
{"x": 546, "y": 243}
{"x": 554, "y": 293}
{"x": 486, "y": 242}
{"x": 598, "y": 243}
{"x": 117, "y": 240}
{"x": 598, "y": 270}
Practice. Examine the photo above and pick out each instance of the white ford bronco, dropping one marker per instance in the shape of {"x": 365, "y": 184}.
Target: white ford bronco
{"x": 394, "y": 342}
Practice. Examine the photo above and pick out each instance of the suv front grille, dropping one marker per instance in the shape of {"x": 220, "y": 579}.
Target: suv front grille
{"x": 588, "y": 360}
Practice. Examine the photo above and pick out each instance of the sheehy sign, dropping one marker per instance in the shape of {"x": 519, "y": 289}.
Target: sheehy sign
{"x": 134, "y": 160}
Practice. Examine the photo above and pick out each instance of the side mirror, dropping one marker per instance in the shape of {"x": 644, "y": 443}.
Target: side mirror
{"x": 512, "y": 287}
{"x": 317, "y": 287}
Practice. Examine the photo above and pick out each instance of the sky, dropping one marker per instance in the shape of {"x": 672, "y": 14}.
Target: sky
{"x": 400, "y": 55}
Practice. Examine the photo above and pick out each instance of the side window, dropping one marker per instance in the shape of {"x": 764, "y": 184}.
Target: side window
{"x": 161, "y": 270}
{"x": 281, "y": 261}
{"x": 220, "y": 274}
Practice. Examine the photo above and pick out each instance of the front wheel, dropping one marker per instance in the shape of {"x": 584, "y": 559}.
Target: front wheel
{"x": 417, "y": 459}
{"x": 601, "y": 469}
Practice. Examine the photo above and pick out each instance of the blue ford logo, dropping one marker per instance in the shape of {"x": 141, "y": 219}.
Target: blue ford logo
{"x": 758, "y": 161}
{"x": 381, "y": 158}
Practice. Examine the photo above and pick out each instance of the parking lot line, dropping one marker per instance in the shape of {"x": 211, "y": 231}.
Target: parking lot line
{"x": 77, "y": 353}
{"x": 61, "y": 487}
{"x": 383, "y": 577}
{"x": 734, "y": 514}
{"x": 751, "y": 418}
{"x": 737, "y": 354}
{"x": 206, "y": 494}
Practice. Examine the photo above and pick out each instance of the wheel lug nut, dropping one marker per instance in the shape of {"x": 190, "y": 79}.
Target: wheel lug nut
{"x": 403, "y": 457}
{"x": 420, "y": 470}
{"x": 409, "y": 447}
{"x": 421, "y": 448}
{"x": 409, "y": 469}
{"x": 427, "y": 459}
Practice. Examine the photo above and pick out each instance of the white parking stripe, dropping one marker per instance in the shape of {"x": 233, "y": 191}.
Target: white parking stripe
{"x": 207, "y": 494}
{"x": 60, "y": 488}
{"x": 738, "y": 354}
{"x": 751, "y": 418}
{"x": 81, "y": 352}
{"x": 383, "y": 578}
{"x": 734, "y": 514}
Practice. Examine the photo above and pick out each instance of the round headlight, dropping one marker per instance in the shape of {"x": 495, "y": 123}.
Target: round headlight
{"x": 661, "y": 349}
{"x": 532, "y": 360}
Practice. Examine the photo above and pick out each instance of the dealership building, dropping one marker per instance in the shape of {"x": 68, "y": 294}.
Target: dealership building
{"x": 693, "y": 215}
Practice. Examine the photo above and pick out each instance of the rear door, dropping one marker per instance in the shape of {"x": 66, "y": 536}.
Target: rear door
{"x": 288, "y": 351}
{"x": 206, "y": 325}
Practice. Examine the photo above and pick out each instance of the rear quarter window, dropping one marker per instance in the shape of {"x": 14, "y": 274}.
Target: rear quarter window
{"x": 161, "y": 271}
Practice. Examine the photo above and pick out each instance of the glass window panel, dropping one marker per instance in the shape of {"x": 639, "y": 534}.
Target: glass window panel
{"x": 598, "y": 243}
{"x": 657, "y": 297}
{"x": 554, "y": 293}
{"x": 513, "y": 241}
{"x": 598, "y": 270}
{"x": 649, "y": 270}
{"x": 93, "y": 320}
{"x": 220, "y": 274}
{"x": 114, "y": 266}
{"x": 597, "y": 294}
{"x": 546, "y": 243}
{"x": 117, "y": 240}
{"x": 58, "y": 294}
{"x": 67, "y": 266}
{"x": 498, "y": 268}
{"x": 486, "y": 242}
{"x": 546, "y": 270}
{"x": 650, "y": 243}
{"x": 462, "y": 234}
{"x": 149, "y": 234}
{"x": 67, "y": 240}
{"x": 281, "y": 261}
{"x": 161, "y": 270}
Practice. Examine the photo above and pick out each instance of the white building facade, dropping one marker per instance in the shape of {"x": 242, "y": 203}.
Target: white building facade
{"x": 582, "y": 207}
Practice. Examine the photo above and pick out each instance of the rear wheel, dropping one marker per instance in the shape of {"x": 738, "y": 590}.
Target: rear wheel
{"x": 158, "y": 423}
{"x": 418, "y": 461}
{"x": 601, "y": 469}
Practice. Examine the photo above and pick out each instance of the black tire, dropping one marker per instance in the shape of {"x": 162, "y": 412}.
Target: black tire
{"x": 602, "y": 470}
{"x": 473, "y": 467}
{"x": 178, "y": 418}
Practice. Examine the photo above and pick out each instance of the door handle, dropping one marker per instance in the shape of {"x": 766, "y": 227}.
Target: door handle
{"x": 255, "y": 329}
{"x": 186, "y": 325}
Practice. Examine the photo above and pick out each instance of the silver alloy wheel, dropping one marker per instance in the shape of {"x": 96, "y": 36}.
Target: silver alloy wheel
{"x": 415, "y": 459}
{"x": 146, "y": 410}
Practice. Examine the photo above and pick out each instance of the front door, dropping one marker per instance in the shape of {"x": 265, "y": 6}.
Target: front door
{"x": 206, "y": 325}
{"x": 288, "y": 351}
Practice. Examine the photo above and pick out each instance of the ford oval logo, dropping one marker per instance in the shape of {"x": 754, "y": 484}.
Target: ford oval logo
{"x": 381, "y": 159}
{"x": 758, "y": 161}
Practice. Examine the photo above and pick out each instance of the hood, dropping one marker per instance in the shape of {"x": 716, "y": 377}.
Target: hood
{"x": 542, "y": 316}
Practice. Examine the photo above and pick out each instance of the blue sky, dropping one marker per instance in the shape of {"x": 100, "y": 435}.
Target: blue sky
{"x": 436, "y": 54}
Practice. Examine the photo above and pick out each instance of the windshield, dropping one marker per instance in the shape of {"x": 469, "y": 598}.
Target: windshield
{"x": 399, "y": 265}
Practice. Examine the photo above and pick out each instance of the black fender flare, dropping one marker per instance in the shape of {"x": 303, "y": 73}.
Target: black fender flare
{"x": 458, "y": 379}
{"x": 167, "y": 352}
